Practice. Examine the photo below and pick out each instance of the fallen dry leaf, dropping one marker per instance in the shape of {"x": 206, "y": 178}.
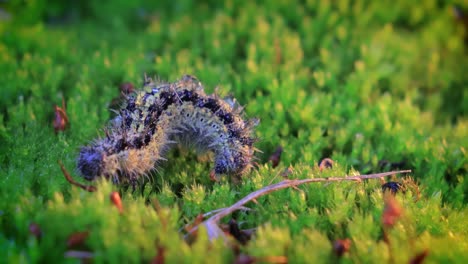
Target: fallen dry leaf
{"x": 115, "y": 198}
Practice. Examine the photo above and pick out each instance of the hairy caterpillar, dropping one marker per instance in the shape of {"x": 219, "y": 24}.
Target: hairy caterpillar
{"x": 162, "y": 114}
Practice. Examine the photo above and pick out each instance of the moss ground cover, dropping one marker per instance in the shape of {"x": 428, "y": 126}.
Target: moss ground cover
{"x": 372, "y": 85}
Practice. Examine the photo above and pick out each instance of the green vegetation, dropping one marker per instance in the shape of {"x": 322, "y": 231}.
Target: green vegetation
{"x": 371, "y": 85}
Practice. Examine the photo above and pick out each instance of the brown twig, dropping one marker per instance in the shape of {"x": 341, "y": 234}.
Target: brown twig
{"x": 211, "y": 223}
{"x": 67, "y": 175}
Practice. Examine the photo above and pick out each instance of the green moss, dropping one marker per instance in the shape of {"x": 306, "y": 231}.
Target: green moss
{"x": 370, "y": 84}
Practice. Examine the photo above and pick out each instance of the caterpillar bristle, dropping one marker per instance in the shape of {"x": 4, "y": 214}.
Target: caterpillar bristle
{"x": 162, "y": 114}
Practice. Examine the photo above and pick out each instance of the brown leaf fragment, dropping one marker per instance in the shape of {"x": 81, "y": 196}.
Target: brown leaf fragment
{"x": 115, "y": 198}
{"x": 35, "y": 230}
{"x": 77, "y": 239}
{"x": 341, "y": 246}
{"x": 61, "y": 118}
{"x": 276, "y": 156}
{"x": 419, "y": 258}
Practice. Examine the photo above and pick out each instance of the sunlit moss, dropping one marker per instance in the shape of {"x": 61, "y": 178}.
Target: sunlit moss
{"x": 368, "y": 84}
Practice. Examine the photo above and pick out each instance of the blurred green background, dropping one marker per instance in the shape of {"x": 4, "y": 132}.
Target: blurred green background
{"x": 374, "y": 85}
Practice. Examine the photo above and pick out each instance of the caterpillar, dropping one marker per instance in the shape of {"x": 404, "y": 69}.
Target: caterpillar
{"x": 160, "y": 115}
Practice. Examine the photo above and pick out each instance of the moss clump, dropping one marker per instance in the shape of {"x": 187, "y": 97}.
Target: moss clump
{"x": 372, "y": 85}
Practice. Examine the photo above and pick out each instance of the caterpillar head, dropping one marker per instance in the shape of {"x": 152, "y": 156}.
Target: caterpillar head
{"x": 90, "y": 163}
{"x": 232, "y": 163}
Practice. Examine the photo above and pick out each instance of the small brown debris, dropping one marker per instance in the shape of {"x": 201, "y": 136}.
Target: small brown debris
{"x": 341, "y": 246}
{"x": 77, "y": 239}
{"x": 276, "y": 156}
{"x": 115, "y": 198}
{"x": 419, "y": 258}
{"x": 326, "y": 163}
{"x": 392, "y": 211}
{"x": 61, "y": 118}
{"x": 35, "y": 230}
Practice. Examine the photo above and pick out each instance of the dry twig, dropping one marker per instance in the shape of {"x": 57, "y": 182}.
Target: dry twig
{"x": 211, "y": 224}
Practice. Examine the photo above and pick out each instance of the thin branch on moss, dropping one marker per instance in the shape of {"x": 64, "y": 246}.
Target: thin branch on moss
{"x": 242, "y": 208}
{"x": 211, "y": 223}
{"x": 69, "y": 178}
